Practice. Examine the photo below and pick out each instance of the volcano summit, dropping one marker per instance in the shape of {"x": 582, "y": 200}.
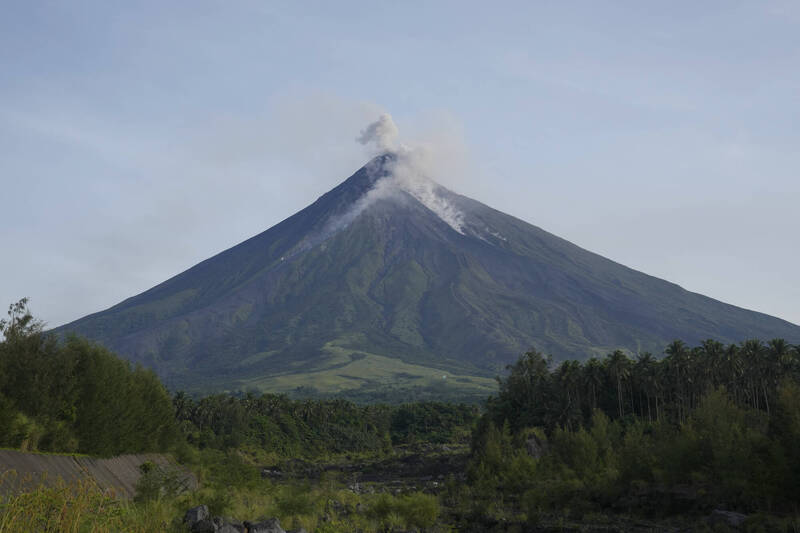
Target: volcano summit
{"x": 390, "y": 280}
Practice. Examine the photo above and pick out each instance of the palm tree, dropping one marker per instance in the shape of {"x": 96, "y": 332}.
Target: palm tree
{"x": 527, "y": 391}
{"x": 782, "y": 353}
{"x": 183, "y": 405}
{"x": 714, "y": 355}
{"x": 753, "y": 355}
{"x": 733, "y": 368}
{"x": 618, "y": 366}
{"x": 593, "y": 375}
{"x": 678, "y": 360}
{"x": 568, "y": 376}
{"x": 644, "y": 379}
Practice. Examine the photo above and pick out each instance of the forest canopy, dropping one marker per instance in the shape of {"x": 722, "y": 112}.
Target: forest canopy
{"x": 702, "y": 427}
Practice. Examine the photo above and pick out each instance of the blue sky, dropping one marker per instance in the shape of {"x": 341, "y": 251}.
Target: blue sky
{"x": 137, "y": 139}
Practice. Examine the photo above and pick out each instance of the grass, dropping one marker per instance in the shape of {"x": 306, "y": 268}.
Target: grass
{"x": 39, "y": 452}
{"x": 81, "y": 506}
{"x": 326, "y": 506}
{"x": 349, "y": 370}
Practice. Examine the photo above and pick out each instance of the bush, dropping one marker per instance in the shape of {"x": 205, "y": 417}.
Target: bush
{"x": 418, "y": 510}
{"x": 414, "y": 510}
{"x": 76, "y": 395}
{"x": 159, "y": 481}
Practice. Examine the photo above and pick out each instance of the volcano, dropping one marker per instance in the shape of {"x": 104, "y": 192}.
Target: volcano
{"x": 390, "y": 280}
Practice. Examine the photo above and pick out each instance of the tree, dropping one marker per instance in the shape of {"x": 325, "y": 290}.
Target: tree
{"x": 20, "y": 323}
{"x": 593, "y": 379}
{"x": 678, "y": 361}
{"x": 618, "y": 367}
{"x": 644, "y": 379}
{"x": 568, "y": 377}
{"x": 77, "y": 396}
{"x": 526, "y": 395}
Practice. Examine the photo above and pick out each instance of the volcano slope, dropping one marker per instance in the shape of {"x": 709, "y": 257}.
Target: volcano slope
{"x": 391, "y": 281}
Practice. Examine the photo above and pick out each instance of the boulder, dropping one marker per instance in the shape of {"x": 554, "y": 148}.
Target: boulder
{"x": 228, "y": 525}
{"x": 204, "y": 526}
{"x": 196, "y": 514}
{"x": 267, "y": 526}
{"x": 729, "y": 518}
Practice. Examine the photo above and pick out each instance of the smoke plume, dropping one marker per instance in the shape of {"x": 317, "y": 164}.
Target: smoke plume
{"x": 382, "y": 133}
{"x": 409, "y": 172}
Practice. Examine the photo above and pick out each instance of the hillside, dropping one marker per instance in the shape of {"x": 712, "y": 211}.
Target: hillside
{"x": 391, "y": 281}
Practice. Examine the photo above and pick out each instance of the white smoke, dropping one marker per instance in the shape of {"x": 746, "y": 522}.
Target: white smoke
{"x": 408, "y": 173}
{"x": 382, "y": 133}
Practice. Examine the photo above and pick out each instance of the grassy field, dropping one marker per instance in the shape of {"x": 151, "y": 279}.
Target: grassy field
{"x": 350, "y": 371}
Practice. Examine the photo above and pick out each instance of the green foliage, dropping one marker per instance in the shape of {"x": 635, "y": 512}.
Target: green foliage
{"x": 82, "y": 506}
{"x": 728, "y": 448}
{"x": 692, "y": 431}
{"x": 310, "y": 428}
{"x": 76, "y": 396}
{"x": 296, "y": 500}
{"x": 157, "y": 482}
{"x": 785, "y": 430}
{"x": 414, "y": 510}
{"x": 702, "y": 427}
{"x": 538, "y": 393}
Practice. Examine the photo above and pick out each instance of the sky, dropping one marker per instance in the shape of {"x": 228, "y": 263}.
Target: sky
{"x": 139, "y": 138}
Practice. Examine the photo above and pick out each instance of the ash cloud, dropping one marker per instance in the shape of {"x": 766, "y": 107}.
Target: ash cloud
{"x": 409, "y": 173}
{"x": 382, "y": 133}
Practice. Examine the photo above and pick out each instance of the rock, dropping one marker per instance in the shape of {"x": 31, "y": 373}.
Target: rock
{"x": 272, "y": 473}
{"x": 195, "y": 514}
{"x": 204, "y": 526}
{"x": 228, "y": 525}
{"x": 267, "y": 526}
{"x": 729, "y": 518}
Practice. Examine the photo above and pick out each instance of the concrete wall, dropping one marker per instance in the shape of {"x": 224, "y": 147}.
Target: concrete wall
{"x": 117, "y": 475}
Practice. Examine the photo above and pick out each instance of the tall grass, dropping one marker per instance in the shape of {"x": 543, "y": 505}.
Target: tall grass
{"x": 77, "y": 507}
{"x": 326, "y": 506}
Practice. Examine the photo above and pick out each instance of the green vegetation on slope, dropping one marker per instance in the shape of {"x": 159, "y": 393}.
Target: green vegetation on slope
{"x": 363, "y": 376}
{"x": 399, "y": 283}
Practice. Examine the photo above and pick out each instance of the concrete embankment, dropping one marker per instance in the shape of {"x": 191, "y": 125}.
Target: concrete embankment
{"x": 117, "y": 475}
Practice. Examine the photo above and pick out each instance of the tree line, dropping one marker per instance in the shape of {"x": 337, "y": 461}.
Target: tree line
{"x": 538, "y": 392}
{"x": 702, "y": 427}
{"x": 289, "y": 427}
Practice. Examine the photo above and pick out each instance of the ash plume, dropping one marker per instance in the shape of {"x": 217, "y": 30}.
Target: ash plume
{"x": 408, "y": 172}
{"x": 382, "y": 133}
